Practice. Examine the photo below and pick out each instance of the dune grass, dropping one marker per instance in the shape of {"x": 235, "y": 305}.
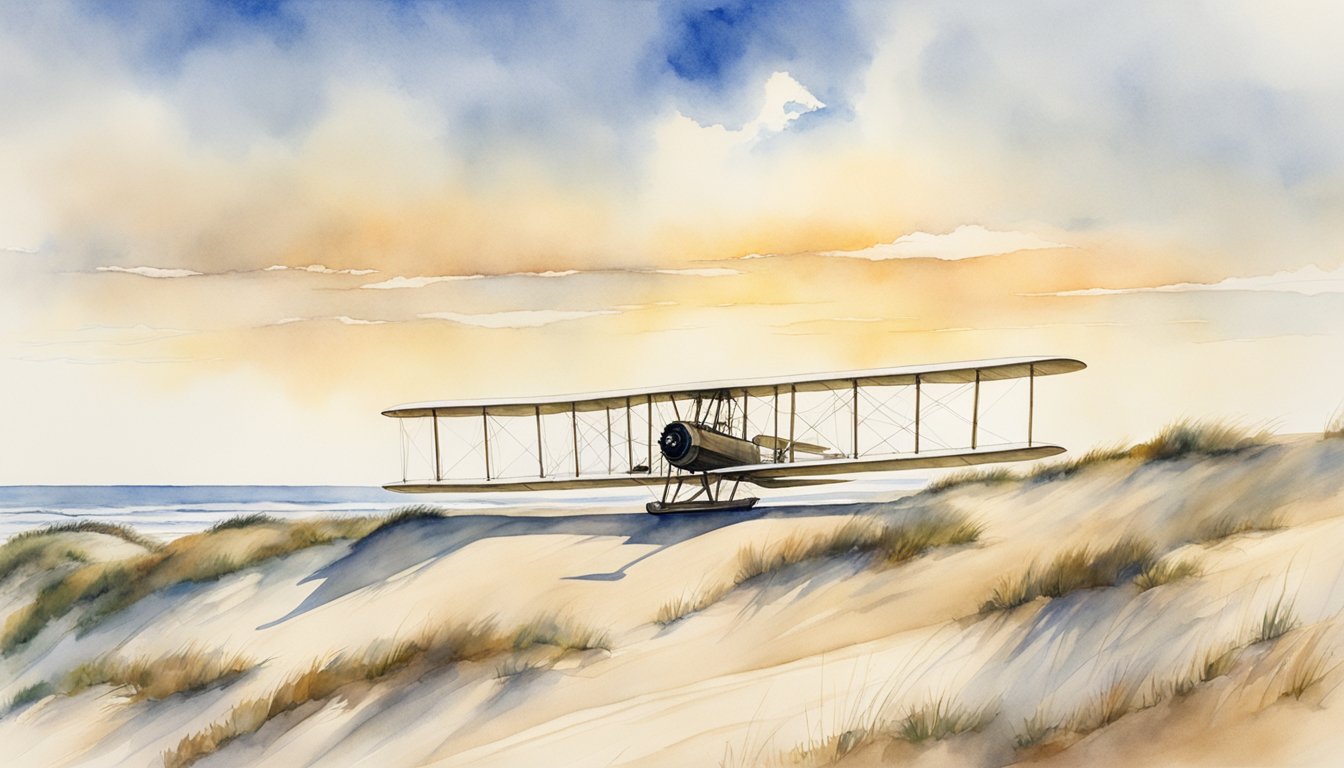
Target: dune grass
{"x": 940, "y": 719}
{"x": 890, "y": 544}
{"x": 107, "y": 588}
{"x": 680, "y": 607}
{"x": 1176, "y": 440}
{"x": 436, "y": 647}
{"x": 887, "y": 544}
{"x": 42, "y": 549}
{"x": 406, "y": 514}
{"x": 153, "y": 679}
{"x": 1071, "y": 570}
{"x": 1234, "y": 522}
{"x": 991, "y": 476}
{"x": 227, "y": 547}
{"x": 1058, "y": 470}
{"x": 242, "y": 521}
{"x": 1277, "y": 620}
{"x": 559, "y": 632}
{"x": 29, "y": 694}
{"x": 1160, "y": 572}
{"x": 1199, "y": 438}
{"x": 1334, "y": 426}
{"x": 1307, "y": 666}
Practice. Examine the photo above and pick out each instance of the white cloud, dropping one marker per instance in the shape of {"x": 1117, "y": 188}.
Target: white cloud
{"x": 342, "y": 319}
{"x": 422, "y": 281}
{"x": 1310, "y": 280}
{"x": 968, "y": 241}
{"x": 158, "y": 272}
{"x": 524, "y": 318}
{"x": 320, "y": 269}
{"x": 698, "y": 272}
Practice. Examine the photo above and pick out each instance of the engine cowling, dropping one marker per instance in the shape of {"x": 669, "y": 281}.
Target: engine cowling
{"x": 699, "y": 449}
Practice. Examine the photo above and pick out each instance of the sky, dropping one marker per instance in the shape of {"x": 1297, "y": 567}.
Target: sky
{"x": 232, "y": 233}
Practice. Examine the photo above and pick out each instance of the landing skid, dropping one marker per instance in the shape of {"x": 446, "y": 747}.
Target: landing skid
{"x": 713, "y": 500}
{"x": 727, "y": 505}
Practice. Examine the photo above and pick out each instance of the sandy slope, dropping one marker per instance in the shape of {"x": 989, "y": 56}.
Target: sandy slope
{"x": 811, "y": 652}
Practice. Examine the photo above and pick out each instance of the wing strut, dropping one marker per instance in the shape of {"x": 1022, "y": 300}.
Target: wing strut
{"x": 975, "y": 410}
{"x": 438, "y": 465}
{"x": 1031, "y": 400}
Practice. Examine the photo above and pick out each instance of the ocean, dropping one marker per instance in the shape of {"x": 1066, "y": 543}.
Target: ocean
{"x": 169, "y": 511}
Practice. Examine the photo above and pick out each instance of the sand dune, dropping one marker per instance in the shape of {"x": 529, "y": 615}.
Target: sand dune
{"x": 837, "y": 654}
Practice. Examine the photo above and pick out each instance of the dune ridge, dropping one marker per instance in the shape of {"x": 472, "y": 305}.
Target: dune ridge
{"x": 1146, "y": 604}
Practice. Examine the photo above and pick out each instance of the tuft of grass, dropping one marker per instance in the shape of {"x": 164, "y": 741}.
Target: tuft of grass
{"x": 1035, "y": 729}
{"x": 891, "y": 544}
{"x": 678, "y": 608}
{"x": 1198, "y": 438}
{"x": 1156, "y": 574}
{"x": 407, "y": 514}
{"x": 1334, "y": 427}
{"x": 1072, "y": 570}
{"x": 243, "y": 521}
{"x": 1234, "y": 523}
{"x": 560, "y": 632}
{"x": 1277, "y": 620}
{"x": 29, "y": 694}
{"x": 187, "y": 671}
{"x": 107, "y": 588}
{"x": 1216, "y": 661}
{"x": 40, "y": 549}
{"x": 1114, "y": 702}
{"x": 1058, "y": 470}
{"x": 993, "y": 476}
{"x": 1308, "y": 666}
{"x": 939, "y": 719}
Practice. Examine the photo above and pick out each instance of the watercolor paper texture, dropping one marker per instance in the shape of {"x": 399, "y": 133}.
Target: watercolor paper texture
{"x": 232, "y": 234}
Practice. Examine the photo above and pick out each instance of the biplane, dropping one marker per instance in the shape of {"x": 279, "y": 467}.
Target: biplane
{"x": 695, "y": 440}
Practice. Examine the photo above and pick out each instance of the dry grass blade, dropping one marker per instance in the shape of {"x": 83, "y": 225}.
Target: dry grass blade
{"x": 1308, "y": 665}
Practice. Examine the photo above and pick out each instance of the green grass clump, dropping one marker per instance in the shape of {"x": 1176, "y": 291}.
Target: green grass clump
{"x": 42, "y": 550}
{"x": 993, "y": 476}
{"x": 29, "y": 694}
{"x": 243, "y": 521}
{"x": 1277, "y": 620}
{"x": 1074, "y": 569}
{"x": 559, "y": 632}
{"x": 407, "y": 514}
{"x": 154, "y": 679}
{"x": 1166, "y": 571}
{"x": 938, "y": 720}
{"x": 1198, "y": 438}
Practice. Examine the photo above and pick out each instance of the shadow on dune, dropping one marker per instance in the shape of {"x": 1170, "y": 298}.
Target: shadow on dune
{"x": 384, "y": 554}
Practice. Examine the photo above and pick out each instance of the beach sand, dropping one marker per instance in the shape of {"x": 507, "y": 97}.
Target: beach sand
{"x": 836, "y": 651}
